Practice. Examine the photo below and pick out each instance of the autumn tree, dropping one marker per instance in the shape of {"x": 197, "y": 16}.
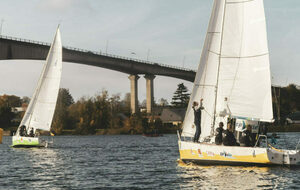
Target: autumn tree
{"x": 6, "y": 114}
{"x": 61, "y": 119}
{"x": 163, "y": 102}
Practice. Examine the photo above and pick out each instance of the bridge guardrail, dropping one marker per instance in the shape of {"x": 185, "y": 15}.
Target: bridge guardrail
{"x": 96, "y": 53}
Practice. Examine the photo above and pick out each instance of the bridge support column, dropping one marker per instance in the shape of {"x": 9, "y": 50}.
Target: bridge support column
{"x": 149, "y": 92}
{"x": 133, "y": 93}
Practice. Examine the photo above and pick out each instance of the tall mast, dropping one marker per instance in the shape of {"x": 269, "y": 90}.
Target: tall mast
{"x": 218, "y": 72}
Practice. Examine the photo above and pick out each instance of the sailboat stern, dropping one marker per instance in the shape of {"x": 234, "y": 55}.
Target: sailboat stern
{"x": 284, "y": 157}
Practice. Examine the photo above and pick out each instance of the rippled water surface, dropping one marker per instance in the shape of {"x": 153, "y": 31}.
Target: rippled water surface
{"x": 130, "y": 162}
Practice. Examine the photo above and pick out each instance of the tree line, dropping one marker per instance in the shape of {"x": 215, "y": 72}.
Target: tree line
{"x": 104, "y": 112}
{"x": 88, "y": 115}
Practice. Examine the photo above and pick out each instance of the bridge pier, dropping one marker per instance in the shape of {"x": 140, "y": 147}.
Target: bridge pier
{"x": 133, "y": 93}
{"x": 149, "y": 92}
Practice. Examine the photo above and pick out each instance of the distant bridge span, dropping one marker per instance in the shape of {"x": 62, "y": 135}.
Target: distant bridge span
{"x": 15, "y": 48}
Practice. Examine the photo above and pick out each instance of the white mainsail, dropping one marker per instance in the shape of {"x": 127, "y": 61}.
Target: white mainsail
{"x": 40, "y": 111}
{"x": 234, "y": 64}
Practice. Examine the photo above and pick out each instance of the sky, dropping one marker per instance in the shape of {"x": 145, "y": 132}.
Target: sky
{"x": 170, "y": 32}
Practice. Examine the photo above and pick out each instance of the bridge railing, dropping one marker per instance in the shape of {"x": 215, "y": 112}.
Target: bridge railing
{"x": 96, "y": 53}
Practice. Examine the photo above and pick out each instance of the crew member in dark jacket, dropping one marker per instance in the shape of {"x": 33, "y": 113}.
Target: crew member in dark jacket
{"x": 197, "y": 119}
{"x": 219, "y": 131}
{"x": 22, "y": 131}
{"x": 31, "y": 133}
{"x": 246, "y": 139}
{"x": 228, "y": 136}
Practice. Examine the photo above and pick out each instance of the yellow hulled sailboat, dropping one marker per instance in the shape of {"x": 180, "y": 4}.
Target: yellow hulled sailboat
{"x": 234, "y": 81}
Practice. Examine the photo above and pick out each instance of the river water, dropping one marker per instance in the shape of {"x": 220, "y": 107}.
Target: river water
{"x": 130, "y": 162}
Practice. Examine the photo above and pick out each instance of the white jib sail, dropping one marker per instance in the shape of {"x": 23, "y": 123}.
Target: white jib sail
{"x": 40, "y": 111}
{"x": 235, "y": 62}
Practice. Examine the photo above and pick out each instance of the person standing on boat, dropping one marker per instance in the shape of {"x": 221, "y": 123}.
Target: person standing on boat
{"x": 219, "y": 131}
{"x": 197, "y": 119}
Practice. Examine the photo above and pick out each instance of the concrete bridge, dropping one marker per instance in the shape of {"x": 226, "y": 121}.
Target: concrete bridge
{"x": 15, "y": 48}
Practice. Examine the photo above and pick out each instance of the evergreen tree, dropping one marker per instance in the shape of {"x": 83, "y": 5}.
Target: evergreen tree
{"x": 181, "y": 96}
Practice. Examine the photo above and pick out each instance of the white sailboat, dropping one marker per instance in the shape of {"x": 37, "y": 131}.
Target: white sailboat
{"x": 234, "y": 81}
{"x": 40, "y": 111}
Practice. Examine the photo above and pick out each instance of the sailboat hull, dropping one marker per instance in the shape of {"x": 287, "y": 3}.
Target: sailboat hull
{"x": 210, "y": 154}
{"x": 26, "y": 142}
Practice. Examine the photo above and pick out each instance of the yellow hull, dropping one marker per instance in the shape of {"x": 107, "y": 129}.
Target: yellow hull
{"x": 234, "y": 155}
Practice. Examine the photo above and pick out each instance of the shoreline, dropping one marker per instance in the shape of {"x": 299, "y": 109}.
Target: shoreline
{"x": 121, "y": 131}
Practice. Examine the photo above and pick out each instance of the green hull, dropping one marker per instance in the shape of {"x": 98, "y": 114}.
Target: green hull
{"x": 25, "y": 142}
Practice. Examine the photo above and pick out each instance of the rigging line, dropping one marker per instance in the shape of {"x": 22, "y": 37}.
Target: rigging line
{"x": 214, "y": 52}
{"x": 208, "y": 113}
{"x": 239, "y": 59}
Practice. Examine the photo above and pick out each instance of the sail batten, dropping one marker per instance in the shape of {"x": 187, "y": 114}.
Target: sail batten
{"x": 235, "y": 63}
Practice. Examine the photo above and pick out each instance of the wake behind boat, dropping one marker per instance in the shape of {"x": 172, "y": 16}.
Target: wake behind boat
{"x": 233, "y": 86}
{"x": 40, "y": 111}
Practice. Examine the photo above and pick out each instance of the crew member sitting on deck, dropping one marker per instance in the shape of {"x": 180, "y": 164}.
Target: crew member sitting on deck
{"x": 219, "y": 131}
{"x": 228, "y": 137}
{"x": 246, "y": 139}
{"x": 197, "y": 119}
{"x": 31, "y": 132}
{"x": 22, "y": 131}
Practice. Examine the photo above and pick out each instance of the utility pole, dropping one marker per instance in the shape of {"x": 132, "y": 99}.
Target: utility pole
{"x": 106, "y": 46}
{"x": 183, "y": 61}
{"x": 148, "y": 54}
{"x": 2, "y": 21}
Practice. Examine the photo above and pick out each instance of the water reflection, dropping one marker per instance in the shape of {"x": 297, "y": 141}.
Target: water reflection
{"x": 37, "y": 167}
{"x": 233, "y": 177}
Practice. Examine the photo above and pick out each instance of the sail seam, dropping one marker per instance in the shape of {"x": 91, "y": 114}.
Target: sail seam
{"x": 243, "y": 57}
{"x": 246, "y": 1}
{"x": 205, "y": 85}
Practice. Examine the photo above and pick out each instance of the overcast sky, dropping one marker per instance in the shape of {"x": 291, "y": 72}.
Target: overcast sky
{"x": 172, "y": 31}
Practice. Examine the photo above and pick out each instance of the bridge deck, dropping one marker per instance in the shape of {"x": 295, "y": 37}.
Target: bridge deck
{"x": 15, "y": 48}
